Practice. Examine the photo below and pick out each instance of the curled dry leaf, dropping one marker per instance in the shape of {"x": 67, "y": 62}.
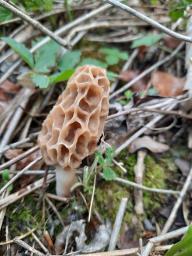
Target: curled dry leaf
{"x": 129, "y": 75}
{"x": 148, "y": 143}
{"x": 166, "y": 84}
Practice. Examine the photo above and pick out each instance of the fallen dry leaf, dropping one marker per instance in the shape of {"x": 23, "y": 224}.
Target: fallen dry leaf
{"x": 12, "y": 153}
{"x": 8, "y": 90}
{"x": 166, "y": 84}
{"x": 171, "y": 42}
{"x": 129, "y": 75}
{"x": 148, "y": 143}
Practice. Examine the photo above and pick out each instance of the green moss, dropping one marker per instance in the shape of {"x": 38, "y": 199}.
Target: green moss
{"x": 154, "y": 177}
{"x": 23, "y": 216}
{"x": 107, "y": 199}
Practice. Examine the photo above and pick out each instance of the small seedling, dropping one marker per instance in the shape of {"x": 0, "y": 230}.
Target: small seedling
{"x": 105, "y": 162}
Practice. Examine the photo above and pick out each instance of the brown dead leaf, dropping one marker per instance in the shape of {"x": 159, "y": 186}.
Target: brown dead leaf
{"x": 12, "y": 153}
{"x": 127, "y": 238}
{"x": 148, "y": 143}
{"x": 129, "y": 75}
{"x": 171, "y": 42}
{"x": 166, "y": 84}
{"x": 10, "y": 87}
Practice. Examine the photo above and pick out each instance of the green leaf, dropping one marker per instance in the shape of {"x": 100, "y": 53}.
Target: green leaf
{"x": 183, "y": 247}
{"x": 94, "y": 62}
{"x": 70, "y": 59}
{"x": 113, "y": 55}
{"x": 62, "y": 76}
{"x": 41, "y": 81}
{"x": 177, "y": 8}
{"x": 46, "y": 56}
{"x": 36, "y": 5}
{"x": 128, "y": 94}
{"x": 5, "y": 14}
{"x": 152, "y": 92}
{"x": 111, "y": 75}
{"x": 100, "y": 159}
{"x": 20, "y": 49}
{"x": 109, "y": 153}
{"x": 109, "y": 174}
{"x": 112, "y": 59}
{"x": 147, "y": 40}
{"x": 5, "y": 175}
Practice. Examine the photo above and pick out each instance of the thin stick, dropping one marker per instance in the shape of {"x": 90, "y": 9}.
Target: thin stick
{"x": 20, "y": 237}
{"x": 25, "y": 191}
{"x": 117, "y": 225}
{"x": 40, "y": 243}
{"x": 142, "y": 130}
{"x": 152, "y": 110}
{"x": 147, "y": 71}
{"x": 16, "y": 117}
{"x": 19, "y": 174}
{"x": 154, "y": 190}
{"x": 125, "y": 67}
{"x": 139, "y": 170}
{"x": 180, "y": 199}
{"x": 33, "y": 22}
{"x": 58, "y": 198}
{"x": 92, "y": 197}
{"x": 28, "y": 247}
{"x": 19, "y": 157}
{"x": 19, "y": 143}
{"x": 162, "y": 238}
{"x": 59, "y": 31}
{"x": 150, "y": 21}
{"x": 124, "y": 252}
{"x": 55, "y": 210}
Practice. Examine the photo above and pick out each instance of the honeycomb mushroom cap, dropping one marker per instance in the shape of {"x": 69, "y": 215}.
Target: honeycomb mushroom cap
{"x": 71, "y": 130}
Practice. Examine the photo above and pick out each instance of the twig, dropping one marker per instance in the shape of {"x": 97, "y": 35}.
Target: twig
{"x": 33, "y": 22}
{"x": 92, "y": 197}
{"x": 58, "y": 198}
{"x": 139, "y": 172}
{"x": 125, "y": 252}
{"x": 40, "y": 243}
{"x": 180, "y": 199}
{"x": 3, "y": 211}
{"x": 152, "y": 110}
{"x": 59, "y": 31}
{"x": 19, "y": 237}
{"x": 28, "y": 247}
{"x": 149, "y": 21}
{"x": 55, "y": 210}
{"x": 19, "y": 174}
{"x": 161, "y": 238}
{"x": 125, "y": 67}
{"x": 117, "y": 224}
{"x": 25, "y": 191}
{"x": 18, "y": 158}
{"x": 147, "y": 71}
{"x": 15, "y": 119}
{"x": 143, "y": 129}
{"x": 19, "y": 143}
{"x": 154, "y": 190}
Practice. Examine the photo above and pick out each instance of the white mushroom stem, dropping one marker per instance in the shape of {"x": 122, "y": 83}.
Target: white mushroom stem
{"x": 64, "y": 181}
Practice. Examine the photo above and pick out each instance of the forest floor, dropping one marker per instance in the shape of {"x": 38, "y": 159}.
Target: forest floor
{"x": 139, "y": 189}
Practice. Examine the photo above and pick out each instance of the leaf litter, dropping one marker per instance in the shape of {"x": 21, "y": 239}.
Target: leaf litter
{"x": 150, "y": 98}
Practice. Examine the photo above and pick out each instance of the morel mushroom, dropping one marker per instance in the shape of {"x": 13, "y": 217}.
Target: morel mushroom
{"x": 71, "y": 130}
